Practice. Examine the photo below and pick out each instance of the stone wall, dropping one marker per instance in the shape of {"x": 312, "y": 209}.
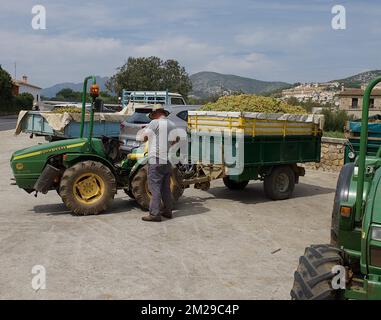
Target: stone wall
{"x": 332, "y": 155}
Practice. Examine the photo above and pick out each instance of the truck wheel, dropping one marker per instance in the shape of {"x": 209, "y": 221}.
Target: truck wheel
{"x": 280, "y": 184}
{"x": 235, "y": 185}
{"x": 341, "y": 194}
{"x": 87, "y": 188}
{"x": 140, "y": 190}
{"x": 312, "y": 279}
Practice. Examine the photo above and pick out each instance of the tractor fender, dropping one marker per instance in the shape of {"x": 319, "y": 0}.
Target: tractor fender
{"x": 341, "y": 195}
{"x": 71, "y": 159}
{"x": 140, "y": 163}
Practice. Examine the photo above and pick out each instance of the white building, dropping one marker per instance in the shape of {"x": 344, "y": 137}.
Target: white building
{"x": 318, "y": 92}
{"x": 23, "y": 86}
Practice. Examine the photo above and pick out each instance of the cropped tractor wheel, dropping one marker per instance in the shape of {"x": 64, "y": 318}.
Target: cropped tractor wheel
{"x": 140, "y": 190}
{"x": 312, "y": 280}
{"x": 280, "y": 184}
{"x": 235, "y": 185}
{"x": 87, "y": 188}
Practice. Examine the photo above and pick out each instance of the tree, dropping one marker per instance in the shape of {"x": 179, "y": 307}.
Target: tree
{"x": 68, "y": 94}
{"x": 150, "y": 73}
{"x": 23, "y": 101}
{"x": 5, "y": 90}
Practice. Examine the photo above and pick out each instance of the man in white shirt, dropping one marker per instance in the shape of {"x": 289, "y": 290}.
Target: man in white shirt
{"x": 159, "y": 167}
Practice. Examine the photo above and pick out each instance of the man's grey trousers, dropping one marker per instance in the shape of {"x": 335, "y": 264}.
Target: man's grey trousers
{"x": 159, "y": 184}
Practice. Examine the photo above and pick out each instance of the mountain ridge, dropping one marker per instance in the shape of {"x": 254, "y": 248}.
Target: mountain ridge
{"x": 359, "y": 79}
{"x": 52, "y": 91}
{"x": 208, "y": 84}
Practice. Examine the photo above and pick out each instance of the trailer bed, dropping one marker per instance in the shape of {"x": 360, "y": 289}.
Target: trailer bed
{"x": 67, "y": 125}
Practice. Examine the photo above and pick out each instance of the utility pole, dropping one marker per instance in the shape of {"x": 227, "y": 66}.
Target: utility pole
{"x": 15, "y": 70}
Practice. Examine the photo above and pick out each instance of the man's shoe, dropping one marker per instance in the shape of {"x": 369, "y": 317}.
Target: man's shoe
{"x": 167, "y": 215}
{"x": 151, "y": 218}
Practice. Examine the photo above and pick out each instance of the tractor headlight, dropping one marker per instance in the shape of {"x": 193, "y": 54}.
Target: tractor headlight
{"x": 376, "y": 233}
{"x": 351, "y": 155}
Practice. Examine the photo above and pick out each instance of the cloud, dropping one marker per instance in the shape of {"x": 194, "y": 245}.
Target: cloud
{"x": 48, "y": 59}
{"x": 278, "y": 38}
{"x": 271, "y": 40}
{"x": 250, "y": 65}
{"x": 192, "y": 51}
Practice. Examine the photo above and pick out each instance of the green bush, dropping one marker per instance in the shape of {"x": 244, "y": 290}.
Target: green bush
{"x": 335, "y": 120}
{"x": 23, "y": 101}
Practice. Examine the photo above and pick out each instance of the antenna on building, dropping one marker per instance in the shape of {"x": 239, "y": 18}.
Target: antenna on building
{"x": 15, "y": 70}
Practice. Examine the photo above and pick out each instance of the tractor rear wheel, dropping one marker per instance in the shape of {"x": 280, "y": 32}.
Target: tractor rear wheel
{"x": 312, "y": 280}
{"x": 235, "y": 185}
{"x": 87, "y": 187}
{"x": 280, "y": 183}
{"x": 129, "y": 193}
{"x": 140, "y": 190}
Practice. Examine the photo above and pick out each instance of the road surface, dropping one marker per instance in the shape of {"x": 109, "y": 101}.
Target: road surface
{"x": 220, "y": 245}
{"x": 7, "y": 122}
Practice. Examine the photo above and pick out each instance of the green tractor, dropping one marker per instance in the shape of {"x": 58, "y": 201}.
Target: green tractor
{"x": 350, "y": 266}
{"x": 86, "y": 172}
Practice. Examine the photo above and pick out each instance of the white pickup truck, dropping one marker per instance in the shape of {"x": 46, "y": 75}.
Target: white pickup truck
{"x": 152, "y": 97}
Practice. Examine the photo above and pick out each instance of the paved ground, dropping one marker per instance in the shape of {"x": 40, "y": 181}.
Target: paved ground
{"x": 7, "y": 122}
{"x": 220, "y": 245}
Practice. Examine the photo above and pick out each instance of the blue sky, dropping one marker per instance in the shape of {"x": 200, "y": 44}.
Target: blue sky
{"x": 289, "y": 40}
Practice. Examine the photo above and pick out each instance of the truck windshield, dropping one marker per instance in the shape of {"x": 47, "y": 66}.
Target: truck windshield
{"x": 140, "y": 117}
{"x": 179, "y": 101}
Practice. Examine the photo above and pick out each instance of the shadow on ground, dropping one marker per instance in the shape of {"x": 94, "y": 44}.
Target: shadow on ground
{"x": 187, "y": 206}
{"x": 254, "y": 193}
{"x": 184, "y": 207}
{"x": 119, "y": 205}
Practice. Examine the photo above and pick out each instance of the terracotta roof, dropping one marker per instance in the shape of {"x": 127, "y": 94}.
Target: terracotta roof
{"x": 358, "y": 92}
{"x": 22, "y": 83}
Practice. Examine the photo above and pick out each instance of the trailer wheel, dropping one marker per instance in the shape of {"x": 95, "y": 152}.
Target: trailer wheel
{"x": 280, "y": 184}
{"x": 235, "y": 185}
{"x": 312, "y": 279}
{"x": 140, "y": 190}
{"x": 87, "y": 188}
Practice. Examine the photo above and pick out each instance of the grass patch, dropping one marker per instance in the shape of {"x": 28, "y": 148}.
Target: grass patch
{"x": 334, "y": 134}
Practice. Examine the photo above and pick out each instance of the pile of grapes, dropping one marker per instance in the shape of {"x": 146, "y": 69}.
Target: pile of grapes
{"x": 252, "y": 103}
{"x": 68, "y": 109}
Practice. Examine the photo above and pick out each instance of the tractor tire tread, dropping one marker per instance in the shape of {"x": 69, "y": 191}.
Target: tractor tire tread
{"x": 312, "y": 279}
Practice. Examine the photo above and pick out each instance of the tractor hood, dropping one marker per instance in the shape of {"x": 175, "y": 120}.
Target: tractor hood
{"x": 46, "y": 148}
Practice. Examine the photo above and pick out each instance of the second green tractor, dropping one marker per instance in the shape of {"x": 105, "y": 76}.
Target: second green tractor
{"x": 350, "y": 266}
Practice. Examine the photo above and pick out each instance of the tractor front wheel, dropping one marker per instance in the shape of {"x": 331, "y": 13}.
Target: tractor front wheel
{"x": 140, "y": 190}
{"x": 313, "y": 278}
{"x": 87, "y": 187}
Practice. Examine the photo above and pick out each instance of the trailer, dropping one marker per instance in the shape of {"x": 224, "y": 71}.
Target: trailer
{"x": 57, "y": 126}
{"x": 273, "y": 147}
